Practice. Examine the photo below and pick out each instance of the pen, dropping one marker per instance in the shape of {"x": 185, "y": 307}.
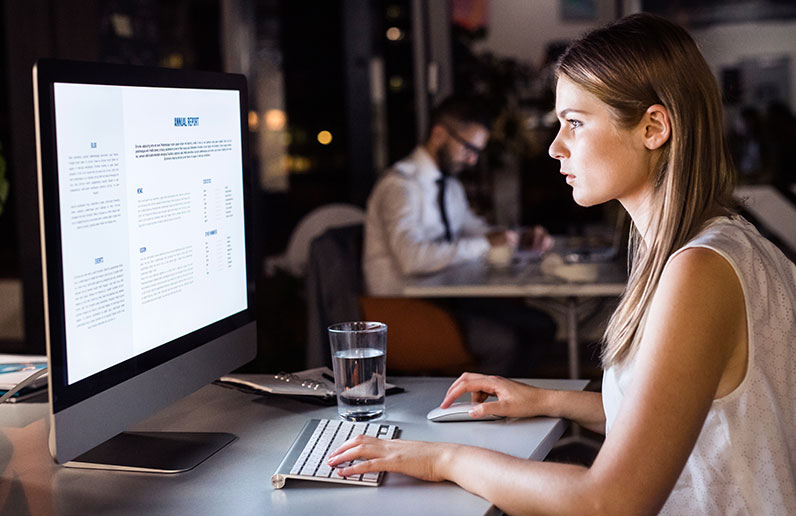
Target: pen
{"x": 328, "y": 376}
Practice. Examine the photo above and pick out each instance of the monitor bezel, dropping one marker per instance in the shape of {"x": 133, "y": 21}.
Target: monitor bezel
{"x": 49, "y": 72}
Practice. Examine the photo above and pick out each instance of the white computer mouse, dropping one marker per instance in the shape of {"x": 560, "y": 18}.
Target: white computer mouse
{"x": 459, "y": 411}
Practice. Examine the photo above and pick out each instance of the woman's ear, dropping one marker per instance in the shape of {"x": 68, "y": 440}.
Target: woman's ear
{"x": 657, "y": 127}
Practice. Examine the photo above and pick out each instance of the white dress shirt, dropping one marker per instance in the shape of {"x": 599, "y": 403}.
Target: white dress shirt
{"x": 404, "y": 233}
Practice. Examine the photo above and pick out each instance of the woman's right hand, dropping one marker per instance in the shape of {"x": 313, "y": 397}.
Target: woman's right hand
{"x": 514, "y": 399}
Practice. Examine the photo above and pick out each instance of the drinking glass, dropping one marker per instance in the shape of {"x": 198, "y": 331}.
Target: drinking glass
{"x": 359, "y": 359}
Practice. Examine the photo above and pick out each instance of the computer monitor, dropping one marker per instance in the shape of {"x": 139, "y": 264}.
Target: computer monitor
{"x": 144, "y": 192}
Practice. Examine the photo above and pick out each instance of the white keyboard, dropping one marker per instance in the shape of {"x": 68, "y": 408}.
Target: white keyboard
{"x": 309, "y": 453}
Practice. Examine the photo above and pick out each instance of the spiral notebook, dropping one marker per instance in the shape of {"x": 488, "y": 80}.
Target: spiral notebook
{"x": 317, "y": 383}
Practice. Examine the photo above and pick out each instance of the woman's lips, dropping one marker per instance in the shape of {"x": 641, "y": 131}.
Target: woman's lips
{"x": 569, "y": 177}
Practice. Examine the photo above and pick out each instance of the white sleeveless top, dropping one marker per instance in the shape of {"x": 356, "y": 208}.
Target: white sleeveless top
{"x": 744, "y": 461}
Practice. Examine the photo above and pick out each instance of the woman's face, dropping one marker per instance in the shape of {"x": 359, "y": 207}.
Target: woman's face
{"x": 601, "y": 161}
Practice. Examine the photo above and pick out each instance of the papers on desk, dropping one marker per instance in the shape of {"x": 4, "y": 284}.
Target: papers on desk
{"x": 554, "y": 265}
{"x": 305, "y": 383}
{"x": 16, "y": 368}
{"x": 313, "y": 384}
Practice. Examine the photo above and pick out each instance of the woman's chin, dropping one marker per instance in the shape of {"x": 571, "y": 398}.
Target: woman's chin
{"x": 583, "y": 200}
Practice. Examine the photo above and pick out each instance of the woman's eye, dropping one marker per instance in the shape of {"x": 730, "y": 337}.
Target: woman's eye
{"x": 574, "y": 124}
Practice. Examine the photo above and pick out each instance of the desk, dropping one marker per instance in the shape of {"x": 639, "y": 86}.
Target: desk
{"x": 523, "y": 279}
{"x": 236, "y": 479}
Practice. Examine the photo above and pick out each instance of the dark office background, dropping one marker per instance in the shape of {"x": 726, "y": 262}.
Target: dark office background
{"x": 322, "y": 50}
{"x": 316, "y": 62}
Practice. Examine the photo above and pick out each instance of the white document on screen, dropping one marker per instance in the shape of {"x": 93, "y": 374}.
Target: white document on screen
{"x": 151, "y": 207}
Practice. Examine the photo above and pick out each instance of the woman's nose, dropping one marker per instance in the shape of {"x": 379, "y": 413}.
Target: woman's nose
{"x": 557, "y": 149}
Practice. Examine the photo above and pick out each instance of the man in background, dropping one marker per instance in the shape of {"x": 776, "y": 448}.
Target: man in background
{"x": 419, "y": 221}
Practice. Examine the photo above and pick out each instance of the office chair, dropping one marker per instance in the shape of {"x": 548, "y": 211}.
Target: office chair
{"x": 422, "y": 339}
{"x": 312, "y": 225}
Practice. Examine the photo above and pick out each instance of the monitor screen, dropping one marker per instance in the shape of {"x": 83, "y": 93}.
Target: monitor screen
{"x": 144, "y": 192}
{"x": 151, "y": 208}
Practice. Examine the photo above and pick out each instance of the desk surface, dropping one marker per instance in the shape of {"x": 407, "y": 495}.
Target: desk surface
{"x": 520, "y": 279}
{"x": 236, "y": 479}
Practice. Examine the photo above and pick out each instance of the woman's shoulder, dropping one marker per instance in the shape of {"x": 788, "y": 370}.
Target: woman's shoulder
{"x": 740, "y": 243}
{"x": 699, "y": 264}
{"x": 731, "y": 251}
{"x": 723, "y": 228}
{"x": 732, "y": 237}
{"x": 707, "y": 266}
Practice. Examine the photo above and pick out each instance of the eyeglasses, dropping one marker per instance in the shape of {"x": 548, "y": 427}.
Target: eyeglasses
{"x": 459, "y": 138}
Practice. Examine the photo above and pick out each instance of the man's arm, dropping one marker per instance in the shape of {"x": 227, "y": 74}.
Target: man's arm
{"x": 400, "y": 210}
{"x": 470, "y": 224}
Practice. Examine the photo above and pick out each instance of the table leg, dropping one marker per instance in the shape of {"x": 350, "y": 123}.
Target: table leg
{"x": 572, "y": 338}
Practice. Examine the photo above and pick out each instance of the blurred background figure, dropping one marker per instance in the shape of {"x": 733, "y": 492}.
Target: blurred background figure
{"x": 419, "y": 221}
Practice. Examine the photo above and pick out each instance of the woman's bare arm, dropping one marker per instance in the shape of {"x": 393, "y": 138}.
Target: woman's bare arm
{"x": 696, "y": 322}
{"x": 516, "y": 399}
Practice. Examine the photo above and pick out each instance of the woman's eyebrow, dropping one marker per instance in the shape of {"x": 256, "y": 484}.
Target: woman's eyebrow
{"x": 565, "y": 112}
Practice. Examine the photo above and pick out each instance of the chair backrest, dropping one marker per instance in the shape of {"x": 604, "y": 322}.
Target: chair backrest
{"x": 311, "y": 226}
{"x": 422, "y": 338}
{"x": 334, "y": 284}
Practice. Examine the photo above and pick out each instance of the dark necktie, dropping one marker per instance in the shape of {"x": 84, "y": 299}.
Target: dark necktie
{"x": 441, "y": 183}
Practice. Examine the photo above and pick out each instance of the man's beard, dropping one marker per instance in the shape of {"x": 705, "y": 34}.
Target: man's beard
{"x": 445, "y": 162}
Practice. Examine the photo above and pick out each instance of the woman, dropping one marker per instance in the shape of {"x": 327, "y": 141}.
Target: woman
{"x": 699, "y": 390}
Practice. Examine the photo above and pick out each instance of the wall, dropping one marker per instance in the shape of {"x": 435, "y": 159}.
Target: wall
{"x": 727, "y": 44}
{"x": 11, "y": 321}
{"x": 522, "y": 28}
{"x": 35, "y": 29}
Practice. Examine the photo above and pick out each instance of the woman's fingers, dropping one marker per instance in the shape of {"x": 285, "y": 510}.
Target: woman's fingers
{"x": 370, "y": 452}
{"x": 486, "y": 409}
{"x": 364, "y": 466}
{"x": 347, "y": 446}
{"x": 358, "y": 448}
{"x": 482, "y": 386}
{"x": 459, "y": 387}
{"x": 414, "y": 458}
{"x": 344, "y": 458}
{"x": 478, "y": 397}
{"x": 457, "y": 381}
{"x": 354, "y": 446}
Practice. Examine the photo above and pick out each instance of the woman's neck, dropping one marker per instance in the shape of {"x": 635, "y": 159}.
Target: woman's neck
{"x": 639, "y": 207}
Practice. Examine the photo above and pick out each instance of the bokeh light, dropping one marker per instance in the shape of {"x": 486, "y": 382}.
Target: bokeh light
{"x": 324, "y": 137}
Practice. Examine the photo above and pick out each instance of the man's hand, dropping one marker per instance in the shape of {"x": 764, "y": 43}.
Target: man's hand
{"x": 503, "y": 237}
{"x": 537, "y": 239}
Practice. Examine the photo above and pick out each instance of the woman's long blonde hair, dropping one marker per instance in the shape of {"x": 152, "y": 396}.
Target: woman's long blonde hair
{"x": 630, "y": 65}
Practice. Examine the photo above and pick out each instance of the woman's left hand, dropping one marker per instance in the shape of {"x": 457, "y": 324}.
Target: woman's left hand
{"x": 419, "y": 459}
